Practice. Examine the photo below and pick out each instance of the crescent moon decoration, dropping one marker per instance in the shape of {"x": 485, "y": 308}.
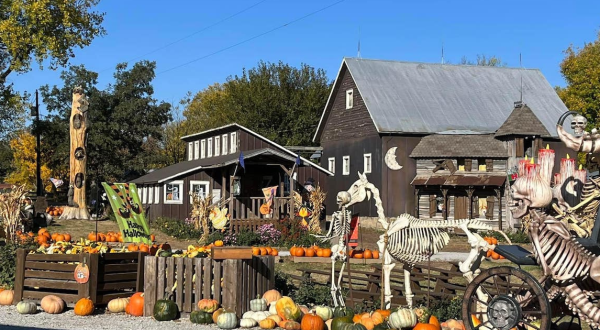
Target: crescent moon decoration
{"x": 390, "y": 159}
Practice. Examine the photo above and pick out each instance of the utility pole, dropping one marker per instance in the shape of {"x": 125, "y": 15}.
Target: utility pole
{"x": 38, "y": 165}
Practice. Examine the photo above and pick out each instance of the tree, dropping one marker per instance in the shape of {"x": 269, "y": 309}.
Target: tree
{"x": 126, "y": 122}
{"x": 483, "y": 60}
{"x": 45, "y": 31}
{"x": 581, "y": 70}
{"x": 24, "y": 163}
{"x": 278, "y": 101}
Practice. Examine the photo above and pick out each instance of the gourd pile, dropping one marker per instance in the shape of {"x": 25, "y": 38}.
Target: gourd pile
{"x": 490, "y": 253}
{"x": 313, "y": 251}
{"x": 55, "y": 211}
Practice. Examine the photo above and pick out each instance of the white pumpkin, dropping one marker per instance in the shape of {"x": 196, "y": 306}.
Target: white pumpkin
{"x": 325, "y": 312}
{"x": 259, "y": 316}
{"x": 248, "y": 323}
{"x": 118, "y": 305}
{"x": 26, "y": 307}
{"x": 402, "y": 318}
{"x": 273, "y": 309}
{"x": 259, "y": 304}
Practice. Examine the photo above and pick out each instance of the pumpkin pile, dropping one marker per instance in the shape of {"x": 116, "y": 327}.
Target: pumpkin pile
{"x": 164, "y": 250}
{"x": 44, "y": 238}
{"x": 491, "y": 253}
{"x": 264, "y": 251}
{"x": 55, "y": 211}
{"x": 108, "y": 237}
{"x": 313, "y": 251}
{"x": 364, "y": 254}
{"x": 208, "y": 312}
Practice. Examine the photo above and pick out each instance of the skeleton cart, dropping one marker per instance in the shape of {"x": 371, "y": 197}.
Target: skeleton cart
{"x": 506, "y": 297}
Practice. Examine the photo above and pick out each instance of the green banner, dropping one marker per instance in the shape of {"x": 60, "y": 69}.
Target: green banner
{"x": 129, "y": 211}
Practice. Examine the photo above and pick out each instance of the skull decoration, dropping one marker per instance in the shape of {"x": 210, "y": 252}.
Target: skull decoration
{"x": 578, "y": 124}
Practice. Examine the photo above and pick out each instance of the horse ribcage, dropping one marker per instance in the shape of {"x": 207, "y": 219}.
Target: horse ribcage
{"x": 413, "y": 245}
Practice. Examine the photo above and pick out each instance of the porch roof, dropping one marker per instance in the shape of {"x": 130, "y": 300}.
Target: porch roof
{"x": 459, "y": 180}
{"x": 185, "y": 167}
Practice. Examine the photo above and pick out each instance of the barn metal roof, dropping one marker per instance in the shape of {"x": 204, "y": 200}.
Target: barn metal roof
{"x": 409, "y": 97}
{"x": 459, "y": 180}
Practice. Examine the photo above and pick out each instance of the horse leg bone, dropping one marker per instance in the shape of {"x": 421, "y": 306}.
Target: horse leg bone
{"x": 409, "y": 295}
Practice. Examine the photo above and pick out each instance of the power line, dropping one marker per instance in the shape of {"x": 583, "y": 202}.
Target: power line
{"x": 252, "y": 38}
{"x": 193, "y": 34}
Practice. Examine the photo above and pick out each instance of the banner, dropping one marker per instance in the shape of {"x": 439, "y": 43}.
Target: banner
{"x": 128, "y": 209}
{"x": 353, "y": 241}
{"x": 269, "y": 193}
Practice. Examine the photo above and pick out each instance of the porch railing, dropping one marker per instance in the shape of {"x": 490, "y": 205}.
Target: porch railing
{"x": 249, "y": 208}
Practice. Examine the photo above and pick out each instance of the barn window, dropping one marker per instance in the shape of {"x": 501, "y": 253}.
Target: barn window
{"x": 150, "y": 195}
{"x": 190, "y": 151}
{"x": 217, "y": 145}
{"x": 210, "y": 147}
{"x": 173, "y": 192}
{"x": 233, "y": 143}
{"x": 225, "y": 150}
{"x": 331, "y": 164}
{"x": 346, "y": 165}
{"x": 349, "y": 99}
{"x": 156, "y": 194}
{"x": 143, "y": 196}
{"x": 202, "y": 148}
{"x": 196, "y": 149}
{"x": 198, "y": 187}
{"x": 367, "y": 168}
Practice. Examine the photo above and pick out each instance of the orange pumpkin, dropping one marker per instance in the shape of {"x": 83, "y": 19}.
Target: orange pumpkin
{"x": 299, "y": 252}
{"x": 132, "y": 248}
{"x": 269, "y": 249}
{"x": 84, "y": 307}
{"x": 136, "y": 305}
{"x": 309, "y": 252}
{"x": 59, "y": 238}
{"x": 42, "y": 231}
{"x": 375, "y": 254}
{"x": 289, "y": 325}
{"x": 319, "y": 252}
{"x": 153, "y": 238}
{"x": 425, "y": 326}
{"x": 67, "y": 237}
{"x": 255, "y": 251}
{"x": 42, "y": 239}
{"x": 263, "y": 251}
{"x": 92, "y": 237}
{"x": 327, "y": 253}
{"x": 489, "y": 253}
{"x": 352, "y": 253}
{"x": 219, "y": 243}
{"x": 143, "y": 247}
{"x": 495, "y": 255}
{"x": 274, "y": 252}
{"x": 312, "y": 322}
{"x": 368, "y": 254}
{"x": 265, "y": 209}
{"x": 435, "y": 322}
{"x": 384, "y": 312}
{"x": 54, "y": 236}
{"x": 359, "y": 255}
{"x": 293, "y": 250}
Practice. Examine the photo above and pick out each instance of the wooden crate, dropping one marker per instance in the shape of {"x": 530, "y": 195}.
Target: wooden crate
{"x": 112, "y": 275}
{"x": 322, "y": 260}
{"x": 233, "y": 283}
{"x": 231, "y": 252}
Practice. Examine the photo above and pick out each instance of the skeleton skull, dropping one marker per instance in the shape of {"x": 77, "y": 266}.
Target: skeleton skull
{"x": 578, "y": 124}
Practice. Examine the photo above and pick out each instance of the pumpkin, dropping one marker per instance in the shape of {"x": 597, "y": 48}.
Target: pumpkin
{"x": 258, "y": 304}
{"x": 325, "y": 312}
{"x": 434, "y": 321}
{"x": 371, "y": 320}
{"x": 273, "y": 309}
{"x": 255, "y": 251}
{"x": 84, "y": 307}
{"x": 353, "y": 326}
{"x": 52, "y": 304}
{"x": 327, "y": 253}
{"x": 267, "y": 324}
{"x": 227, "y": 320}
{"x": 368, "y": 254}
{"x": 337, "y": 322}
{"x": 6, "y": 297}
{"x": 453, "y": 324}
{"x": 118, "y": 305}
{"x": 275, "y": 318}
{"x": 92, "y": 237}
{"x": 256, "y": 316}
{"x": 425, "y": 326}
{"x": 342, "y": 311}
{"x": 359, "y": 255}
{"x": 208, "y": 305}
{"x": 216, "y": 314}
{"x": 26, "y": 307}
{"x": 67, "y": 237}
{"x": 201, "y": 317}
{"x": 402, "y": 318}
{"x": 309, "y": 253}
{"x": 293, "y": 250}
{"x": 136, "y": 305}
{"x": 274, "y": 252}
{"x": 384, "y": 312}
{"x": 219, "y": 243}
{"x": 312, "y": 321}
{"x": 382, "y": 326}
{"x": 247, "y": 323}
{"x": 271, "y": 296}
{"x": 299, "y": 252}
{"x": 289, "y": 325}
{"x": 287, "y": 309}
{"x": 328, "y": 324}
{"x": 165, "y": 309}
{"x": 265, "y": 209}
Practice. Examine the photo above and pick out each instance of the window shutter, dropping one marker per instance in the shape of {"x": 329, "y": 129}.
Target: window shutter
{"x": 489, "y": 214}
{"x": 432, "y": 206}
{"x": 520, "y": 147}
{"x": 489, "y": 165}
{"x": 468, "y": 165}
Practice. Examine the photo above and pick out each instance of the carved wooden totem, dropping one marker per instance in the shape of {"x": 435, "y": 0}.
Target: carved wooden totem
{"x": 77, "y": 208}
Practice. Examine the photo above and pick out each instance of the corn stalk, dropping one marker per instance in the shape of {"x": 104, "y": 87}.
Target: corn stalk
{"x": 10, "y": 210}
{"x": 317, "y": 197}
{"x": 200, "y": 211}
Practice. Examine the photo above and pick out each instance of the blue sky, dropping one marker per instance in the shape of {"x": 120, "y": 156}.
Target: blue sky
{"x": 389, "y": 29}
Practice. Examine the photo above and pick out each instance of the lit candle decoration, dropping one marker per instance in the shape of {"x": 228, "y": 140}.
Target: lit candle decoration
{"x": 531, "y": 169}
{"x": 567, "y": 170}
{"x": 581, "y": 176}
{"x": 521, "y": 168}
{"x": 546, "y": 161}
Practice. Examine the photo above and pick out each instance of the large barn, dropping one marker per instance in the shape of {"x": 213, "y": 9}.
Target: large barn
{"x": 437, "y": 140}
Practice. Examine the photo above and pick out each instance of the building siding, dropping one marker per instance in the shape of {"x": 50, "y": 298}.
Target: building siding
{"x": 397, "y": 193}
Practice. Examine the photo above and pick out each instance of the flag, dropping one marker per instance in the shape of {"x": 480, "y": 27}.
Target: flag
{"x": 56, "y": 182}
{"x": 269, "y": 193}
{"x": 298, "y": 160}
{"x": 241, "y": 160}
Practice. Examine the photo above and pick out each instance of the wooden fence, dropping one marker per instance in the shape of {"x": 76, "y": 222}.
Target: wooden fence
{"x": 112, "y": 275}
{"x": 233, "y": 283}
{"x": 249, "y": 207}
{"x": 250, "y": 224}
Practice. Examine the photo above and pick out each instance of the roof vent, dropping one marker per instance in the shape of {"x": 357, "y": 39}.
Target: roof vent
{"x": 519, "y": 104}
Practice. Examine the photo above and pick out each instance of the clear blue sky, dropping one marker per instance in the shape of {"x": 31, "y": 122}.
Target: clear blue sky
{"x": 390, "y": 29}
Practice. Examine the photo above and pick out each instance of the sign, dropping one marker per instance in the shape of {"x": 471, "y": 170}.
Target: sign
{"x": 128, "y": 209}
{"x": 353, "y": 241}
{"x": 82, "y": 273}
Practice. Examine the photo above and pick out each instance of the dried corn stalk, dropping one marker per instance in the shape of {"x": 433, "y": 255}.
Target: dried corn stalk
{"x": 317, "y": 197}
{"x": 201, "y": 207}
{"x": 10, "y": 210}
{"x": 297, "y": 200}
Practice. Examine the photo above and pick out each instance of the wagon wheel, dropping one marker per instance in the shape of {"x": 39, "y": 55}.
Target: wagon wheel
{"x": 504, "y": 298}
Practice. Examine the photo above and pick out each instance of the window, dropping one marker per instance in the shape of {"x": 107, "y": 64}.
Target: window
{"x": 196, "y": 149}
{"x": 144, "y": 193}
{"x": 198, "y": 187}
{"x": 209, "y": 144}
{"x": 349, "y": 99}
{"x": 190, "y": 151}
{"x": 202, "y": 148}
{"x": 173, "y": 192}
{"x": 331, "y": 164}
{"x": 346, "y": 165}
{"x": 224, "y": 145}
{"x": 156, "y": 195}
{"x": 150, "y": 195}
{"x": 233, "y": 143}
{"x": 217, "y": 145}
{"x": 481, "y": 165}
{"x": 367, "y": 168}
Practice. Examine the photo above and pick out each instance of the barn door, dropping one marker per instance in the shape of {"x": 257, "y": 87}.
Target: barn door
{"x": 461, "y": 204}
{"x": 489, "y": 214}
{"x": 432, "y": 206}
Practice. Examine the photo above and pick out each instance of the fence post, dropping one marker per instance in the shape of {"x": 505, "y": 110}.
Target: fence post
{"x": 140, "y": 273}
{"x": 19, "y": 276}
{"x": 230, "y": 286}
{"x": 94, "y": 266}
{"x": 149, "y": 285}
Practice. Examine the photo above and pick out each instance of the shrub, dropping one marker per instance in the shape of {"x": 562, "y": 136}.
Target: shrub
{"x": 245, "y": 237}
{"x": 283, "y": 283}
{"x": 515, "y": 236}
{"x": 269, "y": 235}
{"x": 176, "y": 228}
{"x": 8, "y": 262}
{"x": 445, "y": 309}
{"x": 294, "y": 233}
{"x": 312, "y": 293}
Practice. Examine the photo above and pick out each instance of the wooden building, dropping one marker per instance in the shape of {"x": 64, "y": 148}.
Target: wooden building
{"x": 212, "y": 166}
{"x": 437, "y": 140}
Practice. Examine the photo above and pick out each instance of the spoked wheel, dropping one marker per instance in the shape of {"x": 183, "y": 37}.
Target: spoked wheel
{"x": 505, "y": 298}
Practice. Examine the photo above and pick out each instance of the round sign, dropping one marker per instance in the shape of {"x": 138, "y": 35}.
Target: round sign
{"x": 82, "y": 273}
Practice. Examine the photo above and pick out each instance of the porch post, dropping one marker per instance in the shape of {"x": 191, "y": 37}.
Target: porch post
{"x": 291, "y": 208}
{"x": 417, "y": 203}
{"x": 445, "y": 211}
{"x": 499, "y": 197}
{"x": 223, "y": 184}
{"x": 470, "y": 194}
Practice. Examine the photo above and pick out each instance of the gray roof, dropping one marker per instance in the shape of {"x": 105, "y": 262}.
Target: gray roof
{"x": 523, "y": 122}
{"x": 408, "y": 97}
{"x": 458, "y": 146}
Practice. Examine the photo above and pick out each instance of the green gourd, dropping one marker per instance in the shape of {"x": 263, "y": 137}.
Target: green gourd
{"x": 165, "y": 309}
{"x": 26, "y": 307}
{"x": 201, "y": 317}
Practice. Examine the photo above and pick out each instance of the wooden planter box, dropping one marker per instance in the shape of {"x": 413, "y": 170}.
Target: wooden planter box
{"x": 232, "y": 282}
{"x": 112, "y": 275}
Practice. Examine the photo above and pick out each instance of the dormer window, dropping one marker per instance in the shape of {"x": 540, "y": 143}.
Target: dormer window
{"x": 210, "y": 149}
{"x": 225, "y": 150}
{"x": 349, "y": 99}
{"x": 190, "y": 151}
{"x": 217, "y": 145}
{"x": 233, "y": 144}
{"x": 196, "y": 149}
{"x": 202, "y": 149}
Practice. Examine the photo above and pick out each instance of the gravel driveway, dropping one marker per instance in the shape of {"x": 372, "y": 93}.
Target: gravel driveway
{"x": 11, "y": 320}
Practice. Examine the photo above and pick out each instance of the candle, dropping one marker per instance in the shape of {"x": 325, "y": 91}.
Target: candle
{"x": 546, "y": 161}
{"x": 531, "y": 168}
{"x": 581, "y": 176}
{"x": 567, "y": 170}
{"x": 557, "y": 180}
{"x": 521, "y": 168}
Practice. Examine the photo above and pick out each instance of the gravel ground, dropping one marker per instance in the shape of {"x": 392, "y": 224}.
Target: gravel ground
{"x": 11, "y": 320}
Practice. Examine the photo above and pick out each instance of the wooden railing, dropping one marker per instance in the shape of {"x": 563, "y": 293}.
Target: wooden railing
{"x": 245, "y": 208}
